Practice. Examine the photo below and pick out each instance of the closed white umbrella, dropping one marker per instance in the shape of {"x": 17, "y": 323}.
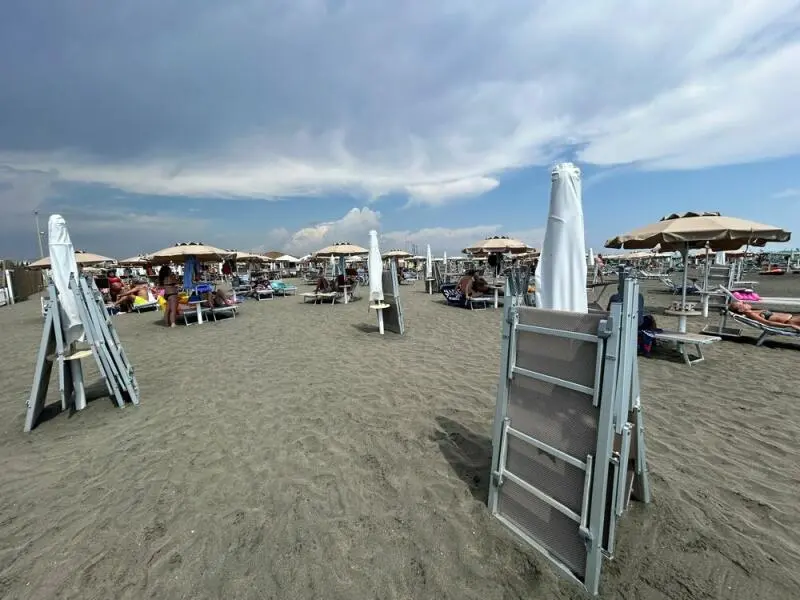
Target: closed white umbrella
{"x": 429, "y": 269}
{"x": 590, "y": 259}
{"x": 561, "y": 273}
{"x": 719, "y": 258}
{"x": 63, "y": 267}
{"x": 375, "y": 265}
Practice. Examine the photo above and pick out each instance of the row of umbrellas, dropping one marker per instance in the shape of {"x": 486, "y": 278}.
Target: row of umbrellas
{"x": 203, "y": 252}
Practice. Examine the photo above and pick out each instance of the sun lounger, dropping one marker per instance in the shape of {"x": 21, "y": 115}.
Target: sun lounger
{"x": 766, "y": 330}
{"x": 263, "y": 292}
{"x": 190, "y": 314}
{"x": 229, "y": 310}
{"x": 318, "y": 297}
{"x": 455, "y": 297}
{"x": 151, "y": 304}
{"x": 282, "y": 289}
{"x": 691, "y": 289}
{"x": 682, "y": 340}
{"x": 764, "y": 300}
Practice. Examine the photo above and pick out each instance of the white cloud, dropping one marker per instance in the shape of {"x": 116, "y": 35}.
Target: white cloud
{"x": 441, "y": 193}
{"x": 787, "y": 193}
{"x": 434, "y": 99}
{"x": 354, "y": 227}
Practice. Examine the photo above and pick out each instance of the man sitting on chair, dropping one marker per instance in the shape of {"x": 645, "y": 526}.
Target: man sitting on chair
{"x": 767, "y": 317}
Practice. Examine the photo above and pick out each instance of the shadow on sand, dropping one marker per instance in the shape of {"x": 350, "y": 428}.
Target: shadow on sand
{"x": 469, "y": 454}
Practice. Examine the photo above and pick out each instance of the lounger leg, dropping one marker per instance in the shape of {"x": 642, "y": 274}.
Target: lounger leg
{"x": 762, "y": 337}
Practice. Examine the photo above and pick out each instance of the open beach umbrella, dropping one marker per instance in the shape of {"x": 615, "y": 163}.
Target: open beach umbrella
{"x": 133, "y": 261}
{"x": 397, "y": 254}
{"x": 498, "y": 244}
{"x": 64, "y": 266}
{"x": 690, "y": 230}
{"x": 181, "y": 251}
{"x": 561, "y": 273}
{"x": 80, "y": 257}
{"x": 249, "y": 257}
{"x": 341, "y": 250}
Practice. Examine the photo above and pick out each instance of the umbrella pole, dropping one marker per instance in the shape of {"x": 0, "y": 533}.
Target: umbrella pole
{"x": 682, "y": 320}
{"x": 705, "y": 283}
{"x": 380, "y": 320}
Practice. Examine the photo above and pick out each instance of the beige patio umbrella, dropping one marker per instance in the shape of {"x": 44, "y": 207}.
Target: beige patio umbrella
{"x": 498, "y": 244}
{"x": 181, "y": 251}
{"x": 134, "y": 261}
{"x": 83, "y": 258}
{"x": 396, "y": 254}
{"x": 682, "y": 231}
{"x": 249, "y": 257}
{"x": 340, "y": 250}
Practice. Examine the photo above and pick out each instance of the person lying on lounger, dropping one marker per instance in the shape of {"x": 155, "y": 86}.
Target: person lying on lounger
{"x": 472, "y": 284}
{"x": 128, "y": 296}
{"x": 767, "y": 317}
{"x": 323, "y": 285}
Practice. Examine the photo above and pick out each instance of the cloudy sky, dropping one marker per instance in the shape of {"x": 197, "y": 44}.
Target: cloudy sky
{"x": 288, "y": 124}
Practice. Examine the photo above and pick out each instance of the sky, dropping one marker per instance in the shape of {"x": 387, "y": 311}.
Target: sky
{"x": 292, "y": 124}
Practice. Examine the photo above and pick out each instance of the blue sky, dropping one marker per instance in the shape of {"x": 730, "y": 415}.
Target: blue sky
{"x": 291, "y": 124}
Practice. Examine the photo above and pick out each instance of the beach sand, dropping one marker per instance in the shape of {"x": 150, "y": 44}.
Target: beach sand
{"x": 293, "y": 453}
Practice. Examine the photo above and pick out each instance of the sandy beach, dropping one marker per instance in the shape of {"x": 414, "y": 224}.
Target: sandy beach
{"x": 292, "y": 453}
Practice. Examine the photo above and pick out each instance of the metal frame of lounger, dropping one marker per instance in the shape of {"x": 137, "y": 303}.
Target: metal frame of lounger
{"x": 568, "y": 445}
{"x": 188, "y": 315}
{"x": 263, "y": 293}
{"x": 766, "y": 330}
{"x": 682, "y": 340}
{"x": 230, "y": 309}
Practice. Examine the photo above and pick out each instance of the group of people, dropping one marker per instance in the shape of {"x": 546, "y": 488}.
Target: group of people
{"x": 336, "y": 284}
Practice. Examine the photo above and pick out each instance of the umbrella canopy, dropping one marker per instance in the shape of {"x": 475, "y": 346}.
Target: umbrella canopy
{"x": 134, "y": 261}
{"x": 340, "y": 249}
{"x": 375, "y": 265}
{"x": 397, "y": 254}
{"x": 81, "y": 258}
{"x": 249, "y": 257}
{"x": 561, "y": 272}
{"x": 287, "y": 258}
{"x": 179, "y": 253}
{"x": 695, "y": 229}
{"x": 498, "y": 244}
{"x": 64, "y": 267}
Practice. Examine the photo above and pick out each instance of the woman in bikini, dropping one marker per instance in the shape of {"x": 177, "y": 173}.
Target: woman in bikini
{"x": 767, "y": 317}
{"x": 168, "y": 280}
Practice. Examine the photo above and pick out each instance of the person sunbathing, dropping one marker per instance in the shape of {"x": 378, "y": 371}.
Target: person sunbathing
{"x": 128, "y": 296}
{"x": 767, "y": 317}
{"x": 323, "y": 285}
